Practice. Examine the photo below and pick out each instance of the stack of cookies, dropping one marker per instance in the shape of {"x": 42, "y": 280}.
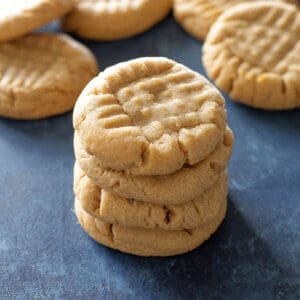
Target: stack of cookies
{"x": 152, "y": 146}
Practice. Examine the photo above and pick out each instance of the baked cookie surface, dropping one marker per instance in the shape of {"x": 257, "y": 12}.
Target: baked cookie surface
{"x": 197, "y": 16}
{"x": 113, "y": 209}
{"x": 149, "y": 116}
{"x": 115, "y": 19}
{"x": 253, "y": 53}
{"x": 42, "y": 75}
{"x": 18, "y": 17}
{"x": 147, "y": 242}
{"x": 181, "y": 186}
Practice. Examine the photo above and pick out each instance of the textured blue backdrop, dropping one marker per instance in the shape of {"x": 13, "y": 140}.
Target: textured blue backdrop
{"x": 254, "y": 255}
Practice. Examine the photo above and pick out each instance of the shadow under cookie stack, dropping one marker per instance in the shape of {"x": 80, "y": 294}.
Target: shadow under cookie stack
{"x": 152, "y": 147}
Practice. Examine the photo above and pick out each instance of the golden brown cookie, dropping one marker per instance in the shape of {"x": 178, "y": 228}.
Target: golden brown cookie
{"x": 115, "y": 19}
{"x": 149, "y": 116}
{"x": 197, "y": 16}
{"x": 147, "y": 242}
{"x": 42, "y": 75}
{"x": 253, "y": 53}
{"x": 113, "y": 209}
{"x": 18, "y": 17}
{"x": 182, "y": 186}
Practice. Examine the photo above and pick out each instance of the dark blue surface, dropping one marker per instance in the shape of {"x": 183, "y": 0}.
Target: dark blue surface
{"x": 255, "y": 254}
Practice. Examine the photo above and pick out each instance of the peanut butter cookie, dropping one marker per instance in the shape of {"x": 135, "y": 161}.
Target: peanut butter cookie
{"x": 147, "y": 242}
{"x": 18, "y": 17}
{"x": 42, "y": 75}
{"x": 197, "y": 16}
{"x": 149, "y": 116}
{"x": 181, "y": 186}
{"x": 115, "y": 19}
{"x": 114, "y": 209}
{"x": 253, "y": 53}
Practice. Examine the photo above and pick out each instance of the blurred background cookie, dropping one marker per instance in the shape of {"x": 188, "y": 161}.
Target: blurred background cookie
{"x": 252, "y": 52}
{"x": 18, "y": 17}
{"x": 115, "y": 19}
{"x": 42, "y": 75}
{"x": 197, "y": 16}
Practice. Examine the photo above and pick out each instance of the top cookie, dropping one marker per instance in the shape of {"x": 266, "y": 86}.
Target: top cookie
{"x": 115, "y": 19}
{"x": 253, "y": 53}
{"x": 149, "y": 116}
{"x": 197, "y": 16}
{"x": 18, "y": 17}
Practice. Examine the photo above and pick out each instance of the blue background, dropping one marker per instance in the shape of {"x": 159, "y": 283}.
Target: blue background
{"x": 44, "y": 254}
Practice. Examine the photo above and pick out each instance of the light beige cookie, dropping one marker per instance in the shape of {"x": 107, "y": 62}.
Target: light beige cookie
{"x": 147, "y": 242}
{"x": 113, "y": 209}
{"x": 182, "y": 186}
{"x": 149, "y": 116}
{"x": 253, "y": 53}
{"x": 197, "y": 16}
{"x": 42, "y": 75}
{"x": 18, "y": 17}
{"x": 115, "y": 19}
